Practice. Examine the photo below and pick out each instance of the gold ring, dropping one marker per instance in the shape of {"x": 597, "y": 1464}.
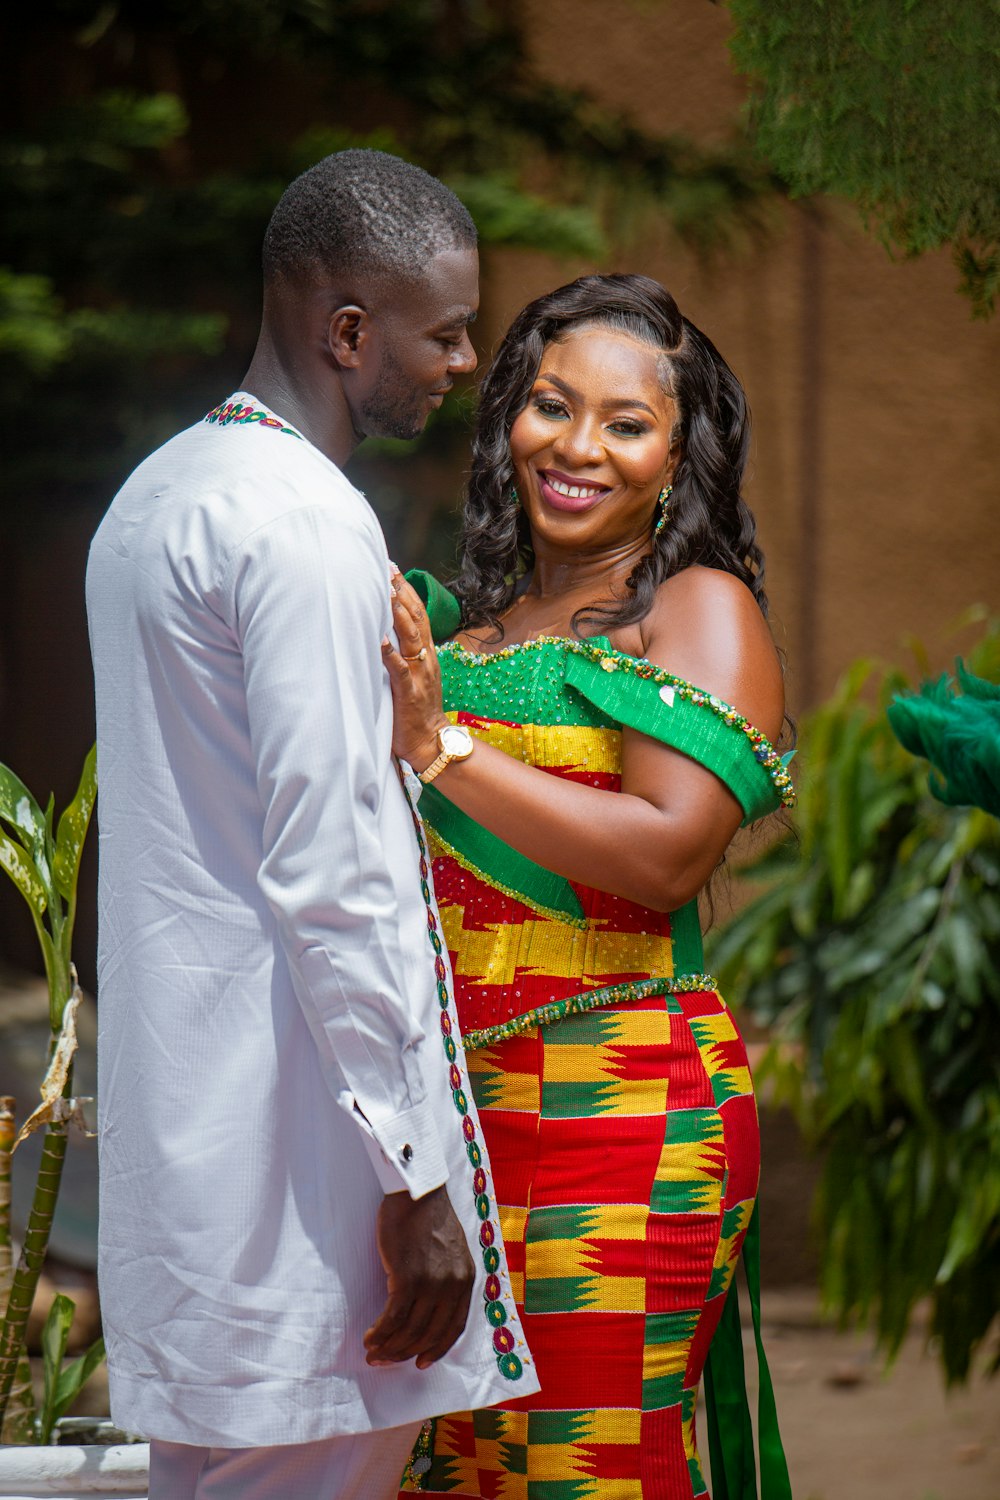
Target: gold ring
{"x": 420, "y": 656}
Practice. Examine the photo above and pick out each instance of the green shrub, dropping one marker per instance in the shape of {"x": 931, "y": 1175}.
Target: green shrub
{"x": 872, "y": 950}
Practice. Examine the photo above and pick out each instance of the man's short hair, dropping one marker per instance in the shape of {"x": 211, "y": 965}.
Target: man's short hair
{"x": 366, "y": 213}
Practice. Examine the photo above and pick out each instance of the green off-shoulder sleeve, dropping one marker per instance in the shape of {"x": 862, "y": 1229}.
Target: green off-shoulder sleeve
{"x": 667, "y": 708}
{"x": 443, "y": 609}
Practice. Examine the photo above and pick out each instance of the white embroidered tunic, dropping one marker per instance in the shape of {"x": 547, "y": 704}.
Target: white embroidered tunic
{"x": 266, "y": 980}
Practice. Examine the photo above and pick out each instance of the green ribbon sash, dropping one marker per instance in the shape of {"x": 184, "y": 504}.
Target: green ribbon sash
{"x": 730, "y": 1432}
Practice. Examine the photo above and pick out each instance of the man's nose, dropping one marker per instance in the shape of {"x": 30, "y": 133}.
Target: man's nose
{"x": 463, "y": 357}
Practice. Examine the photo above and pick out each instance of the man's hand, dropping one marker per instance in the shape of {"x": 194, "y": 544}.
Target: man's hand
{"x": 430, "y": 1274}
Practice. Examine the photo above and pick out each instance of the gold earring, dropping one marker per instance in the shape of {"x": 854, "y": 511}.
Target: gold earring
{"x": 662, "y": 500}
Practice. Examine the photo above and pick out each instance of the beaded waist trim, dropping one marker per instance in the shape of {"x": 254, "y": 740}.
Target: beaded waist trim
{"x": 577, "y": 1005}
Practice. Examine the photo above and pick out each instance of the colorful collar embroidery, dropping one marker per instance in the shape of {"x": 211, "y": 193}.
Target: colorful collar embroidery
{"x": 243, "y": 413}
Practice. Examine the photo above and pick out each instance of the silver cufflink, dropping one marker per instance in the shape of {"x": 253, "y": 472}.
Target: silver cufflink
{"x": 407, "y": 1152}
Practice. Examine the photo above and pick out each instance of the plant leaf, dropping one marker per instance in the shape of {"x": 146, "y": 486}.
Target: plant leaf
{"x": 24, "y": 872}
{"x": 73, "y": 1377}
{"x": 21, "y": 812}
{"x": 19, "y": 808}
{"x": 55, "y": 1336}
{"x": 73, "y": 827}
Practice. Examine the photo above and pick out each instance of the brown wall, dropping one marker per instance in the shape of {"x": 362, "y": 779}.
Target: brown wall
{"x": 874, "y": 470}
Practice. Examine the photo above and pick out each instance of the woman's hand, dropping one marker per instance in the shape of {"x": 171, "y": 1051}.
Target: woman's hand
{"x": 658, "y": 839}
{"x": 415, "y": 678}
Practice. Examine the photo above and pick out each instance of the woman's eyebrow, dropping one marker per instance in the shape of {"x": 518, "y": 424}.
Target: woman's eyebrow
{"x": 615, "y": 404}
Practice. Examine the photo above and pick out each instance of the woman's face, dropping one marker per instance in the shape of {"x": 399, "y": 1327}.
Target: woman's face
{"x": 591, "y": 448}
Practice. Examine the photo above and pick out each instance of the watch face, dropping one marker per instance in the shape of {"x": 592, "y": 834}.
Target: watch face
{"x": 455, "y": 740}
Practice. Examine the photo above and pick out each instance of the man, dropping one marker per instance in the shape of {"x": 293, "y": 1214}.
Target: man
{"x": 294, "y": 1213}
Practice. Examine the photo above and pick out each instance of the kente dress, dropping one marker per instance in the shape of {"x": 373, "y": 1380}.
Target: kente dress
{"x": 615, "y": 1099}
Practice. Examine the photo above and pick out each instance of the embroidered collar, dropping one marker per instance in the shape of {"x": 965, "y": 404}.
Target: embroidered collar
{"x": 242, "y": 412}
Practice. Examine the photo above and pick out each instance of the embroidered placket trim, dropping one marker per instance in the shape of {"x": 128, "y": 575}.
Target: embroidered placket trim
{"x": 504, "y": 1342}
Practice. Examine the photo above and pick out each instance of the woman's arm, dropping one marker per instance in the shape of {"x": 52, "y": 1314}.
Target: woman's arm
{"x": 658, "y": 840}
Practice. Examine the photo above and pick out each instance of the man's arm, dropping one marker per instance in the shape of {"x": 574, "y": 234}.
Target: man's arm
{"x": 310, "y": 597}
{"x": 310, "y": 604}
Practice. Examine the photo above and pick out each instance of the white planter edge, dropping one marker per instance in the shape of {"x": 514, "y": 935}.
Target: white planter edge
{"x": 85, "y": 1472}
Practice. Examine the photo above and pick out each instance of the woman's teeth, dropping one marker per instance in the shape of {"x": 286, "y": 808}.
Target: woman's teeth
{"x": 574, "y": 491}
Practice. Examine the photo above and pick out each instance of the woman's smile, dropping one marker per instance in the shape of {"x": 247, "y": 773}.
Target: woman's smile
{"x": 563, "y": 492}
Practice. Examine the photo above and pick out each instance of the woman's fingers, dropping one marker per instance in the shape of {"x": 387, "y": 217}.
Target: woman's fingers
{"x": 411, "y": 641}
{"x": 400, "y": 679}
{"x": 415, "y": 680}
{"x": 412, "y": 603}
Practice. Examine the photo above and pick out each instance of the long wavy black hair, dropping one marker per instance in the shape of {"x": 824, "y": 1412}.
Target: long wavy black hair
{"x": 709, "y": 521}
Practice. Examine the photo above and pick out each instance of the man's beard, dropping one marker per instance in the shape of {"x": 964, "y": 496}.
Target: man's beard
{"x": 394, "y": 409}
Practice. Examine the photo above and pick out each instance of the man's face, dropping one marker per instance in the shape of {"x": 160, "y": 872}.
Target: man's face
{"x": 419, "y": 343}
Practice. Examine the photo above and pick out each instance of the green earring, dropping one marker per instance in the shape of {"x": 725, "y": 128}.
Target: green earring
{"x": 515, "y": 498}
{"x": 663, "y": 501}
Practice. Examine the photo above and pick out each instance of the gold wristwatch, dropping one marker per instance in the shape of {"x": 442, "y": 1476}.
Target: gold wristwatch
{"x": 454, "y": 743}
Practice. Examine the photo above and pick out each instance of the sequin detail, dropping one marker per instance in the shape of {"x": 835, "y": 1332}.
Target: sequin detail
{"x": 610, "y": 660}
{"x": 578, "y": 1005}
{"x": 495, "y": 1312}
{"x": 508, "y": 890}
{"x": 243, "y": 413}
{"x": 419, "y": 1462}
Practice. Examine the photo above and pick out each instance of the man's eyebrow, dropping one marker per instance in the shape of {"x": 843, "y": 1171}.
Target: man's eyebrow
{"x": 617, "y": 403}
{"x": 458, "y": 319}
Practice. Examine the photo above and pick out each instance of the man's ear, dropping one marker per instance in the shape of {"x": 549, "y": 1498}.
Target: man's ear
{"x": 347, "y": 333}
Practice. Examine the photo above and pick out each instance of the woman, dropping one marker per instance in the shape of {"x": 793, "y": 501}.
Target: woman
{"x": 608, "y": 563}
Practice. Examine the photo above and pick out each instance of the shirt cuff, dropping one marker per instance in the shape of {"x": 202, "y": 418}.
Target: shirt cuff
{"x": 405, "y": 1151}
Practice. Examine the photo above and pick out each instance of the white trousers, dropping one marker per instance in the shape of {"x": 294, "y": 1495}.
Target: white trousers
{"x": 356, "y": 1466}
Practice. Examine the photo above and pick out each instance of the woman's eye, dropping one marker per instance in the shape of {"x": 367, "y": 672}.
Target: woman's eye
{"x": 628, "y": 428}
{"x": 550, "y": 408}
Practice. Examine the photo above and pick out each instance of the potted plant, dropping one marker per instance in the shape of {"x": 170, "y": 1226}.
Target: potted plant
{"x": 43, "y": 861}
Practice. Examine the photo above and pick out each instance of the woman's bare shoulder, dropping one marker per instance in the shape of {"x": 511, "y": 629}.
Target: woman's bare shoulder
{"x": 706, "y": 626}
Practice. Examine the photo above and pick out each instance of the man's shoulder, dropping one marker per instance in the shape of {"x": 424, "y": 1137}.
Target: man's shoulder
{"x": 228, "y": 481}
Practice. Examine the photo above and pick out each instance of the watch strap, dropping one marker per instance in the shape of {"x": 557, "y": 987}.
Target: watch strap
{"x": 435, "y": 768}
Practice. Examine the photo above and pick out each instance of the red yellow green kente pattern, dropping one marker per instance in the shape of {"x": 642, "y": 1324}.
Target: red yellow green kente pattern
{"x": 613, "y": 1092}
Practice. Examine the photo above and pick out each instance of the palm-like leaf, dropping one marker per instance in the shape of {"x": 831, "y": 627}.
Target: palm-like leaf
{"x": 873, "y": 949}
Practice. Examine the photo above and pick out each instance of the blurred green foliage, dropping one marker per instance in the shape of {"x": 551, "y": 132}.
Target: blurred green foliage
{"x": 146, "y": 146}
{"x": 872, "y": 950}
{"x": 894, "y": 104}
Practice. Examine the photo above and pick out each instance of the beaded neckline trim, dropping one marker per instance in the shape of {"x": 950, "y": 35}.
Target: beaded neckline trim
{"x": 578, "y": 1005}
{"x": 609, "y": 660}
{"x": 244, "y": 413}
{"x": 494, "y": 1311}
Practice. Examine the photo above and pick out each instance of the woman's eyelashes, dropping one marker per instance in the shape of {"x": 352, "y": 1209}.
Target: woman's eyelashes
{"x": 550, "y": 407}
